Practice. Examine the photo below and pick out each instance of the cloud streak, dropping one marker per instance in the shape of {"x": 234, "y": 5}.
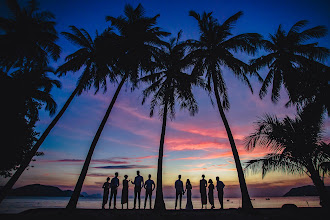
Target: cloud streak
{"x": 124, "y": 167}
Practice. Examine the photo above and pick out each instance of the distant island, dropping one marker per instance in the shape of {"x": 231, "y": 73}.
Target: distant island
{"x": 304, "y": 191}
{"x": 42, "y": 190}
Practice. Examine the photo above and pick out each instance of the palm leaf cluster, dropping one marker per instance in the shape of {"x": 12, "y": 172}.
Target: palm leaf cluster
{"x": 215, "y": 50}
{"x": 169, "y": 81}
{"x": 28, "y": 34}
{"x": 296, "y": 144}
{"x": 287, "y": 52}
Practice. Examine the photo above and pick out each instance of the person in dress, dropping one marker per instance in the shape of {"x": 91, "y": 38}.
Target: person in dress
{"x": 179, "y": 191}
{"x": 138, "y": 182}
{"x": 106, "y": 187}
{"x": 189, "y": 205}
{"x": 124, "y": 192}
{"x": 202, "y": 190}
{"x": 211, "y": 196}
{"x": 113, "y": 186}
{"x": 149, "y": 185}
{"x": 220, "y": 186}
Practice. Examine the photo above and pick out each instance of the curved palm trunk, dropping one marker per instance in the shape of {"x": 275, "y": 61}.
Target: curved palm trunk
{"x": 159, "y": 202}
{"x": 319, "y": 184}
{"x": 246, "y": 202}
{"x": 9, "y": 185}
{"x": 76, "y": 193}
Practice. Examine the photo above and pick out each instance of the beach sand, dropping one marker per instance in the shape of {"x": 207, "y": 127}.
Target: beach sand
{"x": 97, "y": 214}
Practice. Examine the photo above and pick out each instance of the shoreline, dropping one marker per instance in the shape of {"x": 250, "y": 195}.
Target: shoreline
{"x": 99, "y": 214}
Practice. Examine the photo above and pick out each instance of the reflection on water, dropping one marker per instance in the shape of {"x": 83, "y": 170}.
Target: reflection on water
{"x": 19, "y": 204}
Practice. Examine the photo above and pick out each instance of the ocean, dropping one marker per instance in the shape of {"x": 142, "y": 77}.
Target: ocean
{"x": 19, "y": 204}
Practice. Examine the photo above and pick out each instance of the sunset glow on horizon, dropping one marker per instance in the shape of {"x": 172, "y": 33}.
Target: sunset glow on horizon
{"x": 193, "y": 145}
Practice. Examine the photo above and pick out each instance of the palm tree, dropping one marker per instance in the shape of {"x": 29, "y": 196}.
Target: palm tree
{"x": 29, "y": 34}
{"x": 32, "y": 86}
{"x": 286, "y": 53}
{"x": 213, "y": 51}
{"x": 297, "y": 147}
{"x": 135, "y": 48}
{"x": 95, "y": 72}
{"x": 169, "y": 85}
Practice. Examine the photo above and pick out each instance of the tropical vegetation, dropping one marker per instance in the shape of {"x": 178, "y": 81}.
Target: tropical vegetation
{"x": 212, "y": 52}
{"x": 132, "y": 50}
{"x": 297, "y": 147}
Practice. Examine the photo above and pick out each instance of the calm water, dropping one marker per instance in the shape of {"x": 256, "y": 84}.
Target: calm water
{"x": 19, "y": 204}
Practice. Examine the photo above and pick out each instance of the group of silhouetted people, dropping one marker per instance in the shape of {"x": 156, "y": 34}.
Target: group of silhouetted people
{"x": 149, "y": 186}
{"x": 202, "y": 189}
{"x": 138, "y": 182}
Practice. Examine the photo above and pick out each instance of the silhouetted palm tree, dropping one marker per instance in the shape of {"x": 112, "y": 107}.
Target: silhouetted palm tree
{"x": 33, "y": 86}
{"x": 286, "y": 52}
{"x": 213, "y": 51}
{"x": 297, "y": 145}
{"x": 95, "y": 72}
{"x": 28, "y": 34}
{"x": 33, "y": 80}
{"x": 170, "y": 85}
{"x": 135, "y": 48}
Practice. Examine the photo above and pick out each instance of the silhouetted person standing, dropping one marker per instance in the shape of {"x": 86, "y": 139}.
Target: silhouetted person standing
{"x": 211, "y": 195}
{"x": 189, "y": 205}
{"x": 202, "y": 190}
{"x": 124, "y": 192}
{"x": 138, "y": 182}
{"x": 106, "y": 187}
{"x": 179, "y": 191}
{"x": 149, "y": 185}
{"x": 220, "y": 186}
{"x": 114, "y": 185}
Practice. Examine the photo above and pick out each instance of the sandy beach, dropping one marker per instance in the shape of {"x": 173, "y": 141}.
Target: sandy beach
{"x": 97, "y": 214}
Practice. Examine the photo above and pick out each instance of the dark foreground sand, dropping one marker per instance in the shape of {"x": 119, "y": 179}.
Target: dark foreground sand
{"x": 95, "y": 214}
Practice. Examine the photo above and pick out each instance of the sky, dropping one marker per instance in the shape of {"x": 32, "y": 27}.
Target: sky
{"x": 193, "y": 145}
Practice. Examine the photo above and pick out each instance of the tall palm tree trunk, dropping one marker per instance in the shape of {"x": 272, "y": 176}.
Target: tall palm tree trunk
{"x": 320, "y": 187}
{"x": 9, "y": 185}
{"x": 246, "y": 202}
{"x": 76, "y": 193}
{"x": 159, "y": 202}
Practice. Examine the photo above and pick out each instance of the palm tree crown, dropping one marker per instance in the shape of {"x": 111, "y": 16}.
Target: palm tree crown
{"x": 98, "y": 64}
{"x": 287, "y": 51}
{"x": 138, "y": 38}
{"x": 170, "y": 84}
{"x": 296, "y": 144}
{"x": 28, "y": 34}
{"x": 214, "y": 50}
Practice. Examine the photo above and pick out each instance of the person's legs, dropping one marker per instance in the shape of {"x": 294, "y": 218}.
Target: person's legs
{"x": 111, "y": 194}
{"x": 114, "y": 199}
{"x": 139, "y": 193}
{"x": 221, "y": 199}
{"x": 150, "y": 196}
{"x": 135, "y": 194}
{"x": 145, "y": 199}
{"x": 176, "y": 199}
{"x": 180, "y": 199}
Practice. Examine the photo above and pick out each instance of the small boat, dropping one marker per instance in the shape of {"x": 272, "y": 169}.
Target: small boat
{"x": 267, "y": 198}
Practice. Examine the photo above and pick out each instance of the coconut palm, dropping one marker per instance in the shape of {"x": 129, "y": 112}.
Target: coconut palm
{"x": 287, "y": 51}
{"x": 310, "y": 86}
{"x": 170, "y": 85}
{"x": 135, "y": 48}
{"x": 95, "y": 72}
{"x": 213, "y": 51}
{"x": 297, "y": 147}
{"x": 31, "y": 88}
{"x": 28, "y": 34}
